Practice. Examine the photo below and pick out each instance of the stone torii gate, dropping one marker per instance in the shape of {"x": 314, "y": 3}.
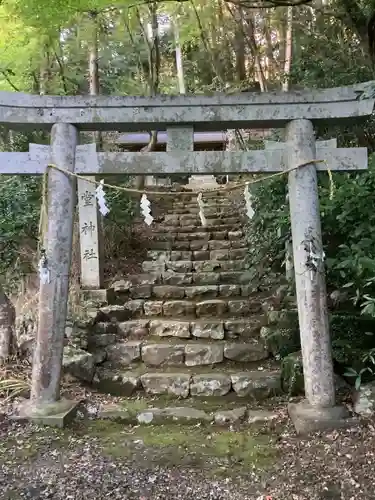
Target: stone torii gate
{"x": 180, "y": 116}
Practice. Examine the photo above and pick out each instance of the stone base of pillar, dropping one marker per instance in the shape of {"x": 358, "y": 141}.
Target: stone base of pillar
{"x": 307, "y": 418}
{"x": 57, "y": 414}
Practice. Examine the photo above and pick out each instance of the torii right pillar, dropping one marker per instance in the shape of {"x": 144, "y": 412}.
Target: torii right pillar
{"x": 319, "y": 410}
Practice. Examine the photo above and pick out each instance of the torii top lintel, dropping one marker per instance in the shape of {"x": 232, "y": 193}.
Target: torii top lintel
{"x": 210, "y": 113}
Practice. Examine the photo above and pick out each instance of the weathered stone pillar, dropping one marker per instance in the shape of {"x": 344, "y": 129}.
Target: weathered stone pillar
{"x": 90, "y": 230}
{"x": 45, "y": 404}
{"x": 310, "y": 281}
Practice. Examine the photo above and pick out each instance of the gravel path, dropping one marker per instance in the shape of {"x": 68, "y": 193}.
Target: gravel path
{"x": 79, "y": 463}
{"x": 79, "y": 470}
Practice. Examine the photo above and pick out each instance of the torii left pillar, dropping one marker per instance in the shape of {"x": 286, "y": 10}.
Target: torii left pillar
{"x": 45, "y": 405}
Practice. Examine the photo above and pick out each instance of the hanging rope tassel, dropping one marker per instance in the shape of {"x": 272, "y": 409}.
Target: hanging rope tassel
{"x": 146, "y": 209}
{"x": 248, "y": 199}
{"x": 331, "y": 185}
{"x": 44, "y": 274}
{"x": 201, "y": 209}
{"x": 100, "y": 196}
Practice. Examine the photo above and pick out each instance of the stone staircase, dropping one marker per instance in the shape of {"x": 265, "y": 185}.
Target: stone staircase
{"x": 189, "y": 325}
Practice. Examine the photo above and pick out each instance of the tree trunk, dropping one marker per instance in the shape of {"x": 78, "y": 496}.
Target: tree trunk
{"x": 239, "y": 42}
{"x": 289, "y": 266}
{"x": 153, "y": 78}
{"x": 94, "y": 85}
{"x": 273, "y": 65}
{"x": 45, "y": 72}
{"x": 7, "y": 324}
{"x": 288, "y": 49}
{"x": 179, "y": 63}
{"x": 255, "y": 52}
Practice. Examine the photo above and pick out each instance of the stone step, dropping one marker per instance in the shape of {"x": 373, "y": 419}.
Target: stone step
{"x": 155, "y": 410}
{"x": 195, "y": 220}
{"x": 193, "y": 210}
{"x": 190, "y": 194}
{"x": 221, "y": 225}
{"x": 185, "y": 382}
{"x": 173, "y": 231}
{"x": 211, "y": 215}
{"x": 207, "y": 278}
{"x": 198, "y": 244}
{"x": 157, "y": 352}
{"x": 190, "y": 309}
{"x": 196, "y": 255}
{"x": 215, "y": 329}
{"x": 211, "y": 197}
{"x": 219, "y": 193}
{"x": 236, "y": 234}
{"x": 220, "y": 202}
{"x": 209, "y": 211}
{"x": 186, "y": 266}
{"x": 191, "y": 292}
{"x": 219, "y": 232}
{"x": 124, "y": 286}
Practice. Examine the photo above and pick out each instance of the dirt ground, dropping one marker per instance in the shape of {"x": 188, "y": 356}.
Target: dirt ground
{"x": 98, "y": 460}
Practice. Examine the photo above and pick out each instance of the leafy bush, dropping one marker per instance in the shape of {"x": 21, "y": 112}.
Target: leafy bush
{"x": 19, "y": 212}
{"x": 348, "y": 227}
{"x": 269, "y": 228}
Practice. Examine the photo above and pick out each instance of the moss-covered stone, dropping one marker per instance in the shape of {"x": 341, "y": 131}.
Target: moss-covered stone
{"x": 292, "y": 374}
{"x": 78, "y": 363}
{"x": 283, "y": 317}
{"x": 116, "y": 382}
{"x": 280, "y": 341}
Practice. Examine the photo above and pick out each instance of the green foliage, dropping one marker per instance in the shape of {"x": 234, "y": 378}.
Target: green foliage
{"x": 367, "y": 371}
{"x": 269, "y": 228}
{"x": 353, "y": 345}
{"x": 348, "y": 223}
{"x": 123, "y": 205}
{"x": 368, "y": 304}
{"x": 327, "y": 54}
{"x": 330, "y": 54}
{"x": 19, "y": 212}
{"x": 358, "y": 375}
{"x": 348, "y": 226}
{"x": 19, "y": 217}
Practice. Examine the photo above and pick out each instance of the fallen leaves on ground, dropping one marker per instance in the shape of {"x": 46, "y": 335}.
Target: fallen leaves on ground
{"x": 40, "y": 463}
